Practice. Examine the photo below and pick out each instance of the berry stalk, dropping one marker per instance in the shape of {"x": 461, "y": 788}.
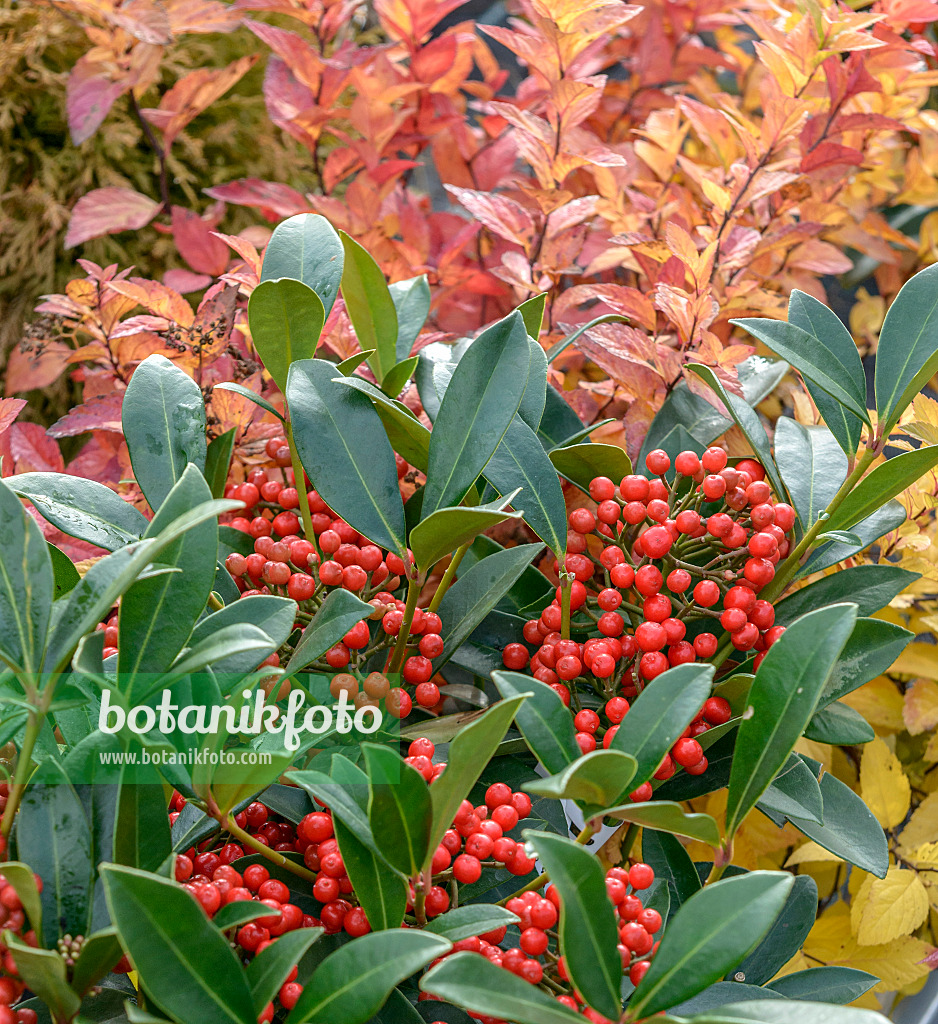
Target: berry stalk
{"x": 245, "y": 838}
{"x": 448, "y": 575}
{"x": 414, "y": 586}
{"x": 22, "y": 773}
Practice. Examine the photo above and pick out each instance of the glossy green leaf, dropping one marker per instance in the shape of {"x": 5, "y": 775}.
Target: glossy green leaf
{"x": 885, "y": 482}
{"x": 840, "y": 725}
{"x": 141, "y": 828}
{"x": 26, "y": 585}
{"x": 747, "y": 419}
{"x": 346, "y": 453}
{"x": 890, "y": 517}
{"x": 99, "y": 954}
{"x": 532, "y": 310}
{"x": 469, "y": 753}
{"x": 408, "y": 436}
{"x": 286, "y": 319}
{"x": 782, "y": 699}
{"x": 370, "y": 306}
{"x": 240, "y": 389}
{"x": 580, "y": 463}
{"x": 233, "y": 915}
{"x": 269, "y": 970}
{"x": 794, "y": 790}
{"x": 595, "y": 781}
{"x": 398, "y": 377}
{"x": 814, "y": 360}
{"x": 544, "y": 721}
{"x": 849, "y": 828}
{"x": 82, "y": 508}
{"x": 448, "y": 528}
{"x": 381, "y": 892}
{"x": 400, "y": 813}
{"x": 476, "y": 919}
{"x": 64, "y": 573}
{"x": 163, "y": 417}
{"x": 871, "y": 649}
{"x": 411, "y": 300}
{"x": 667, "y": 816}
{"x": 587, "y": 929}
{"x": 685, "y": 409}
{"x": 841, "y": 536}
{"x": 476, "y": 983}
{"x": 520, "y": 461}
{"x": 306, "y": 248}
{"x": 560, "y": 425}
{"x": 783, "y": 940}
{"x": 907, "y": 354}
{"x": 43, "y": 971}
{"x": 660, "y": 713}
{"x": 267, "y": 612}
{"x": 476, "y": 592}
{"x": 870, "y": 587}
{"x": 825, "y": 984}
{"x": 812, "y": 465}
{"x": 348, "y": 800}
{"x": 218, "y": 461}
{"x": 181, "y": 958}
{"x": 481, "y": 401}
{"x": 721, "y": 994}
{"x": 712, "y": 932}
{"x": 813, "y": 317}
{"x": 352, "y": 983}
{"x": 672, "y": 865}
{"x": 789, "y": 1011}
{"x": 337, "y": 614}
{"x": 348, "y": 366}
{"x": 21, "y": 877}
{"x": 532, "y": 405}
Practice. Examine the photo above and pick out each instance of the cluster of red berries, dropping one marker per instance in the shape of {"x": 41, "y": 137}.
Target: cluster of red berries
{"x": 13, "y": 918}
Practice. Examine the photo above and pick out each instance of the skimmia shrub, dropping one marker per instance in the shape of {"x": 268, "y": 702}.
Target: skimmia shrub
{"x": 446, "y": 865}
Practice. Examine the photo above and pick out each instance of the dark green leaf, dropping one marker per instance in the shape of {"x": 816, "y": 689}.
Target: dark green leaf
{"x": 794, "y": 790}
{"x": 890, "y": 517}
{"x": 99, "y": 953}
{"x": 141, "y": 829}
{"x": 672, "y": 864}
{"x": 481, "y": 401}
{"x": 352, "y": 983}
{"x": 871, "y": 649}
{"x": 306, "y": 248}
{"x": 163, "y": 417}
{"x": 907, "y": 355}
{"x": 180, "y": 956}
{"x": 760, "y": 376}
{"x": 43, "y": 971}
{"x": 448, "y": 528}
{"x": 370, "y": 306}
{"x": 345, "y": 451}
{"x": 82, "y": 508}
{"x": 399, "y": 810}
{"x": 337, "y": 614}
{"x": 240, "y": 389}
{"x": 64, "y": 573}
{"x": 286, "y": 319}
{"x": 218, "y": 461}
{"x": 381, "y": 892}
{"x": 535, "y": 393}
{"x": 588, "y": 932}
{"x": 345, "y": 791}
{"x": 398, "y": 376}
{"x": 464, "y": 922}
{"x": 688, "y": 410}
{"x": 348, "y": 366}
{"x": 409, "y": 437}
{"x": 543, "y": 720}
{"x": 782, "y": 699}
{"x": 721, "y": 994}
{"x": 580, "y": 463}
{"x": 825, "y": 984}
{"x": 823, "y": 324}
{"x": 595, "y": 781}
{"x": 20, "y": 876}
{"x": 659, "y": 715}
{"x": 667, "y": 816}
{"x": 784, "y": 938}
{"x": 274, "y": 615}
{"x": 411, "y": 300}
{"x": 717, "y": 927}
{"x": 812, "y": 466}
{"x": 559, "y": 425}
{"x": 870, "y": 587}
{"x": 840, "y": 725}
{"x": 233, "y": 915}
{"x": 476, "y": 983}
{"x": 268, "y": 971}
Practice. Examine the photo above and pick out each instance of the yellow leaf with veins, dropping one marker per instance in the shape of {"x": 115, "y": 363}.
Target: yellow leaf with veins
{"x": 884, "y": 786}
{"x": 888, "y": 908}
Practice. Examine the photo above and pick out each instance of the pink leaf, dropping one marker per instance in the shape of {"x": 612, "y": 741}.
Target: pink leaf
{"x": 36, "y": 367}
{"x": 105, "y": 211}
{"x": 33, "y": 450}
{"x": 89, "y": 95}
{"x": 185, "y": 282}
{"x": 281, "y": 199}
{"x": 10, "y": 408}
{"x": 197, "y": 244}
{"x": 503, "y": 216}
{"x": 102, "y": 412}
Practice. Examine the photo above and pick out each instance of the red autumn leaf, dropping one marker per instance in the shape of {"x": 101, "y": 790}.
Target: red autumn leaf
{"x": 185, "y": 281}
{"x": 37, "y": 366}
{"x": 102, "y": 412}
{"x": 157, "y": 299}
{"x": 90, "y": 92}
{"x": 281, "y": 199}
{"x": 33, "y": 450}
{"x": 830, "y": 154}
{"x": 501, "y": 215}
{"x": 197, "y": 244}
{"x": 105, "y": 211}
{"x": 10, "y": 408}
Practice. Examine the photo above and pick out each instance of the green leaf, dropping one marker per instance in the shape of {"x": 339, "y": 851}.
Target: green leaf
{"x": 720, "y": 994}
{"x": 400, "y": 814}
{"x": 306, "y": 248}
{"x": 218, "y": 461}
{"x": 233, "y": 915}
{"x": 43, "y": 971}
{"x": 348, "y": 366}
{"x": 345, "y": 451}
{"x": 794, "y": 790}
{"x": 286, "y": 319}
{"x": 813, "y": 317}
{"x": 789, "y": 1011}
{"x": 82, "y": 508}
{"x": 64, "y": 574}
{"x": 370, "y": 306}
{"x": 99, "y": 954}
{"x": 535, "y": 393}
{"x": 783, "y": 940}
{"x": 840, "y": 725}
{"x": 890, "y": 517}
{"x": 532, "y": 311}
{"x": 907, "y": 354}
{"x": 268, "y": 971}
{"x": 672, "y": 865}
{"x": 520, "y": 460}
{"x": 26, "y": 584}
{"x": 812, "y": 466}
{"x": 560, "y": 425}
{"x": 870, "y": 587}
{"x": 595, "y": 781}
{"x": 475, "y": 594}
{"x": 544, "y": 722}
{"x": 814, "y": 360}
{"x": 667, "y": 816}
{"x": 337, "y": 614}
{"x": 660, "y": 713}
{"x": 841, "y": 536}
{"x": 352, "y": 983}
{"x": 398, "y": 376}
{"x": 163, "y": 417}
{"x": 182, "y": 959}
{"x": 274, "y": 615}
{"x": 885, "y": 482}
{"x": 580, "y": 463}
{"x": 588, "y": 932}
{"x": 381, "y": 891}
{"x": 691, "y": 412}
{"x": 20, "y": 876}
{"x": 408, "y": 436}
{"x": 849, "y": 828}
{"x": 411, "y": 300}
{"x": 240, "y": 389}
{"x": 747, "y": 419}
{"x": 871, "y": 649}
{"x": 141, "y": 828}
{"x": 825, "y": 984}
{"x": 480, "y": 986}
{"x": 448, "y": 528}
{"x": 782, "y": 699}
{"x": 469, "y": 753}
{"x": 479, "y": 405}
{"x": 712, "y": 932}
{"x": 345, "y": 791}
{"x": 476, "y": 919}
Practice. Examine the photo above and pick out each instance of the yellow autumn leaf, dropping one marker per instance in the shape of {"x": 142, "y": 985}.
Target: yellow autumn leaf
{"x": 924, "y": 856}
{"x": 920, "y": 708}
{"x": 810, "y": 852}
{"x": 918, "y": 659}
{"x": 884, "y": 786}
{"x": 879, "y": 702}
{"x": 888, "y": 908}
{"x": 931, "y": 751}
{"x": 922, "y": 827}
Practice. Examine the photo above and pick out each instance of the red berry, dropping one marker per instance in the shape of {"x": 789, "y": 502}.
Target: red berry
{"x": 705, "y": 645}
{"x": 641, "y": 876}
{"x": 687, "y": 463}
{"x": 515, "y": 656}
{"x": 686, "y": 752}
{"x": 622, "y": 576}
{"x": 601, "y": 488}
{"x": 658, "y": 462}
{"x": 713, "y": 459}
{"x": 634, "y": 488}
{"x": 706, "y": 593}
